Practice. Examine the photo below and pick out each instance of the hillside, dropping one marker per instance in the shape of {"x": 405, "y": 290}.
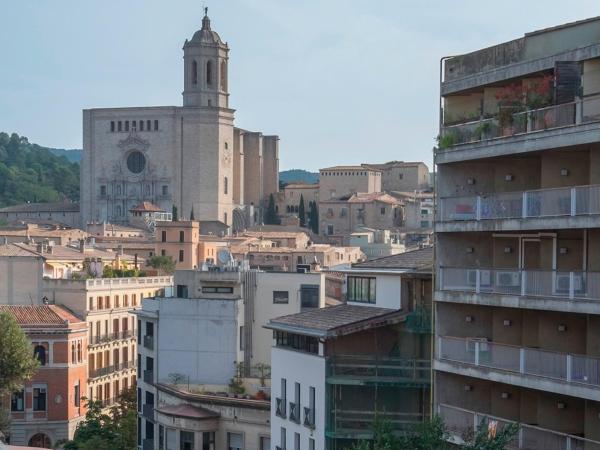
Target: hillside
{"x": 72, "y": 155}
{"x": 31, "y": 173}
{"x": 298, "y": 176}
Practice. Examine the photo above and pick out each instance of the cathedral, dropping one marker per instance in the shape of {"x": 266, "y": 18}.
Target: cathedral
{"x": 191, "y": 157}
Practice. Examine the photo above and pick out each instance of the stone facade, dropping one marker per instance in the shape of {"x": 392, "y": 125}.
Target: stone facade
{"x": 402, "y": 176}
{"x": 343, "y": 181}
{"x": 191, "y": 157}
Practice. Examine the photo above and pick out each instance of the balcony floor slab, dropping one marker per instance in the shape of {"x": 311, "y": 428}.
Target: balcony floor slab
{"x": 533, "y": 223}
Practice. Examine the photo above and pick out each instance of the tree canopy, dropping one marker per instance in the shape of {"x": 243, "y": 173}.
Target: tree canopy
{"x": 164, "y": 264}
{"x": 31, "y": 173}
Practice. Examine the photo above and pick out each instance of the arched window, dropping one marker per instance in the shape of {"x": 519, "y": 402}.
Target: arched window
{"x": 118, "y": 189}
{"x": 194, "y": 72}
{"x": 223, "y": 76}
{"x": 209, "y": 70}
{"x": 225, "y": 185}
{"x": 73, "y": 354}
{"x": 79, "y": 355}
{"x": 40, "y": 440}
{"x": 39, "y": 352}
{"x": 118, "y": 211}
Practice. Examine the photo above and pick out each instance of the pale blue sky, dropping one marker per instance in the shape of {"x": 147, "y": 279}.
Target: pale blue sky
{"x": 340, "y": 81}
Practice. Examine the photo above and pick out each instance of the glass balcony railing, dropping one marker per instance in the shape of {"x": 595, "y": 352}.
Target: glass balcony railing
{"x": 555, "y": 202}
{"x": 580, "y": 112}
{"x": 345, "y": 423}
{"x": 343, "y": 369}
{"x": 580, "y": 369}
{"x": 463, "y": 423}
{"x": 567, "y": 285}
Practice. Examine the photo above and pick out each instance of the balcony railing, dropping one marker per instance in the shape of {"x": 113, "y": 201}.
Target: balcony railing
{"x": 109, "y": 401}
{"x": 131, "y": 281}
{"x": 148, "y": 411}
{"x": 463, "y": 423}
{"x": 582, "y": 111}
{"x": 103, "y": 371}
{"x": 379, "y": 369}
{"x": 555, "y": 202}
{"x": 149, "y": 342}
{"x": 534, "y": 283}
{"x": 580, "y": 369}
{"x": 309, "y": 417}
{"x": 294, "y": 412}
{"x": 280, "y": 408}
{"x": 348, "y": 422}
{"x": 110, "y": 337}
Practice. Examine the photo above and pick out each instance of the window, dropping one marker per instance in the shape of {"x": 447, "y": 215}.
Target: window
{"x": 296, "y": 441}
{"x": 17, "y": 401}
{"x": 136, "y": 162}
{"x": 181, "y": 236}
{"x": 194, "y": 72}
{"x": 225, "y": 218}
{"x": 156, "y": 125}
{"x": 149, "y": 367}
{"x": 424, "y": 211}
{"x": 141, "y": 125}
{"x": 139, "y": 431}
{"x": 311, "y": 405}
{"x": 76, "y": 394}
{"x": 119, "y": 124}
{"x": 235, "y": 441}
{"x": 217, "y": 290}
{"x": 283, "y": 439}
{"x": 103, "y": 190}
{"x": 330, "y": 229}
{"x": 424, "y": 224}
{"x": 281, "y": 297}
{"x": 161, "y": 437}
{"x": 311, "y": 444}
{"x": 149, "y": 329}
{"x": 73, "y": 354}
{"x": 265, "y": 443}
{"x": 400, "y": 176}
{"x": 225, "y": 185}
{"x": 181, "y": 256}
{"x": 148, "y": 125}
{"x": 382, "y": 211}
{"x": 242, "y": 337}
{"x": 39, "y": 353}
{"x": 165, "y": 190}
{"x": 223, "y": 76}
{"x": 186, "y": 440}
{"x": 309, "y": 296}
{"x": 39, "y": 398}
{"x": 361, "y": 289}
{"x": 112, "y": 126}
{"x": 296, "y": 402}
{"x": 139, "y": 397}
{"x": 297, "y": 341}
{"x": 79, "y": 354}
{"x": 127, "y": 125}
{"x": 209, "y": 72}
{"x": 208, "y": 440}
{"x": 163, "y": 252}
{"x": 182, "y": 291}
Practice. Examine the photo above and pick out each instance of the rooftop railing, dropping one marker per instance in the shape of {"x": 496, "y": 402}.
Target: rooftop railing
{"x": 463, "y": 423}
{"x": 580, "y": 369}
{"x": 554, "y": 202}
{"x": 129, "y": 281}
{"x": 579, "y": 112}
{"x": 566, "y": 285}
{"x": 103, "y": 371}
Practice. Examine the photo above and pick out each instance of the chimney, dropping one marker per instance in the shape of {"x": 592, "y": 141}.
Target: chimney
{"x": 82, "y": 245}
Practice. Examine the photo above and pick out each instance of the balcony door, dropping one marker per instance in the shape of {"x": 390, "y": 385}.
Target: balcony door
{"x": 531, "y": 254}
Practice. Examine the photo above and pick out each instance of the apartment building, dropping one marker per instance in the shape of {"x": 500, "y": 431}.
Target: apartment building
{"x": 106, "y": 304}
{"x": 334, "y": 370}
{"x": 49, "y": 407}
{"x": 200, "y": 349}
{"x": 517, "y": 222}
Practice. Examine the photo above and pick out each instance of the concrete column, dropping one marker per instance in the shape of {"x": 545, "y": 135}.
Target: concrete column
{"x": 522, "y": 360}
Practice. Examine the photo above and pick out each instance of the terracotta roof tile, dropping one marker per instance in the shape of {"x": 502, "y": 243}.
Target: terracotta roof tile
{"x": 48, "y": 315}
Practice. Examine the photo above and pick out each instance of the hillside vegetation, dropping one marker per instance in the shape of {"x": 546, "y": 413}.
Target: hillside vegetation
{"x": 31, "y": 173}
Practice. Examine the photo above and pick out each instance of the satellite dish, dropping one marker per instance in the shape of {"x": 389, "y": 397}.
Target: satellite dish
{"x": 224, "y": 256}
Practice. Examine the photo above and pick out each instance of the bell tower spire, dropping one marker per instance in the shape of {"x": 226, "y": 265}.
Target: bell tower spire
{"x": 206, "y": 58}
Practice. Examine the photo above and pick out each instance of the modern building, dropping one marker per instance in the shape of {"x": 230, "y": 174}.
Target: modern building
{"x": 334, "y": 370}
{"x": 50, "y": 406}
{"x": 376, "y": 243}
{"x": 209, "y": 340}
{"x": 517, "y": 293}
{"x": 402, "y": 176}
{"x": 190, "y": 156}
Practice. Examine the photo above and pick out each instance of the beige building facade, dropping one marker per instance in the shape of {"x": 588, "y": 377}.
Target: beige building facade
{"x": 343, "y": 181}
{"x": 191, "y": 157}
{"x": 403, "y": 176}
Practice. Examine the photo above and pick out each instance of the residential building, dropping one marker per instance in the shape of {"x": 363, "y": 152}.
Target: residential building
{"x": 106, "y": 304}
{"x": 343, "y": 181}
{"x": 376, "y": 243}
{"x": 36, "y": 232}
{"x": 65, "y": 213}
{"x": 418, "y": 210}
{"x": 334, "y": 370}
{"x": 402, "y": 176}
{"x": 338, "y": 218}
{"x": 517, "y": 222}
{"x": 216, "y": 315}
{"x": 288, "y": 199}
{"x": 191, "y": 156}
{"x": 50, "y": 406}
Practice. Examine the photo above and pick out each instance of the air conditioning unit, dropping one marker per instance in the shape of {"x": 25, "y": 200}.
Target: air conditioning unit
{"x": 483, "y": 344}
{"x": 508, "y": 279}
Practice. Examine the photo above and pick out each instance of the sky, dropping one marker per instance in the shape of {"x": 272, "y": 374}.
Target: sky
{"x": 340, "y": 81}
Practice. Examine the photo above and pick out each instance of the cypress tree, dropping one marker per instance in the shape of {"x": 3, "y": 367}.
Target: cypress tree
{"x": 302, "y": 212}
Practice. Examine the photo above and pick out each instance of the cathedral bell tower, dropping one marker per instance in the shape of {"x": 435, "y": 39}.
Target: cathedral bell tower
{"x": 205, "y": 59}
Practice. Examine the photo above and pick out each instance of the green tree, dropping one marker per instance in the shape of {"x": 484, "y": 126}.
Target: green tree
{"x": 485, "y": 439}
{"x": 313, "y": 217}
{"x": 164, "y": 264}
{"x": 192, "y": 214}
{"x": 270, "y": 217}
{"x": 17, "y": 363}
{"x": 302, "y": 212}
{"x": 175, "y": 217}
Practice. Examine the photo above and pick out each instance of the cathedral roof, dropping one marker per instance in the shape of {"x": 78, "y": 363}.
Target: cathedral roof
{"x": 205, "y": 35}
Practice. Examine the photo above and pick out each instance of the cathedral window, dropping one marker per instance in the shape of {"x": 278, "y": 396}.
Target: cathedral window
{"x": 127, "y": 125}
{"x": 118, "y": 210}
{"x": 136, "y": 162}
{"x": 165, "y": 190}
{"x": 209, "y": 70}
{"x": 103, "y": 190}
{"x": 209, "y": 102}
{"x": 223, "y": 76}
{"x": 194, "y": 72}
{"x": 156, "y": 125}
{"x": 112, "y": 126}
{"x": 148, "y": 125}
{"x": 147, "y": 189}
{"x": 119, "y": 125}
{"x": 141, "y": 125}
{"x": 225, "y": 185}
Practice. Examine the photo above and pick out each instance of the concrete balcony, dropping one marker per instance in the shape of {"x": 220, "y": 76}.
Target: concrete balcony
{"x": 564, "y": 125}
{"x": 369, "y": 370}
{"x": 561, "y": 373}
{"x": 576, "y": 291}
{"x": 463, "y": 423}
{"x": 569, "y": 207}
